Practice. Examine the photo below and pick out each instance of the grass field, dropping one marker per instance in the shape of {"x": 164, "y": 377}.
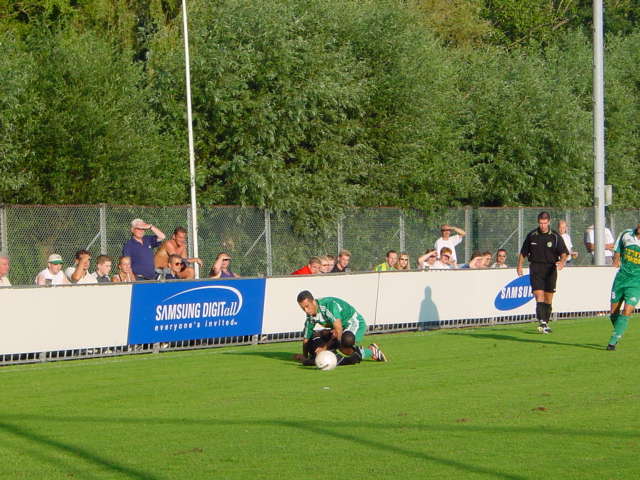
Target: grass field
{"x": 502, "y": 402}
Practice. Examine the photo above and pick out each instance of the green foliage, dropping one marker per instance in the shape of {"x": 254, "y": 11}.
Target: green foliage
{"x": 277, "y": 103}
{"x": 456, "y": 22}
{"x": 83, "y": 129}
{"x": 16, "y": 109}
{"x": 622, "y": 117}
{"x": 311, "y": 107}
{"x": 531, "y": 139}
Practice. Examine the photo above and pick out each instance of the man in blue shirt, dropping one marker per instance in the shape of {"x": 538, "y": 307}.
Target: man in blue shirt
{"x": 140, "y": 249}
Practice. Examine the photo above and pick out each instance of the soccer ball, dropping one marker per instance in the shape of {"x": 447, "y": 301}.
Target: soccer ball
{"x": 326, "y": 360}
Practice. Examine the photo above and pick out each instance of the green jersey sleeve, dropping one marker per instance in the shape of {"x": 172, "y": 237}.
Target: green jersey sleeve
{"x": 309, "y": 325}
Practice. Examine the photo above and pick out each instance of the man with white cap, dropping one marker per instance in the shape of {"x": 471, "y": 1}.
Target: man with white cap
{"x": 140, "y": 249}
{"x": 53, "y": 274}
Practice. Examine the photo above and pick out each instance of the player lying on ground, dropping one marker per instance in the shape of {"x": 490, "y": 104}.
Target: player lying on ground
{"x": 345, "y": 329}
{"x": 626, "y": 285}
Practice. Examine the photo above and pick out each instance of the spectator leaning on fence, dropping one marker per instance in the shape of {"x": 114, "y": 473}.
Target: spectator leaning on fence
{"x": 427, "y": 260}
{"x": 4, "y": 271}
{"x": 342, "y": 262}
{"x": 103, "y": 269}
{"x": 476, "y": 261}
{"x": 53, "y": 274}
{"x": 562, "y": 230}
{"x": 124, "y": 271}
{"x": 79, "y": 273}
{"x": 314, "y": 266}
{"x": 221, "y": 268}
{"x": 450, "y": 241}
{"x": 389, "y": 264}
{"x": 176, "y": 245}
{"x": 589, "y": 244}
{"x": 140, "y": 249}
{"x": 501, "y": 259}
{"x": 326, "y": 264}
{"x": 444, "y": 260}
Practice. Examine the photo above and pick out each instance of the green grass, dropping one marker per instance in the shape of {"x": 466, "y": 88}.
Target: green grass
{"x": 501, "y": 402}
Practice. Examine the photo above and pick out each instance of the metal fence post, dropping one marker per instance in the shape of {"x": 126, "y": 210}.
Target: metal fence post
{"x": 267, "y": 241}
{"x": 612, "y": 223}
{"x": 189, "y": 229}
{"x": 103, "y": 228}
{"x": 340, "y": 235}
{"x": 520, "y": 226}
{"x": 402, "y": 232}
{"x": 4, "y": 242}
{"x": 468, "y": 228}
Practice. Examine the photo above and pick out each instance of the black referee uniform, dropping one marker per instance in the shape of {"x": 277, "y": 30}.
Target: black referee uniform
{"x": 543, "y": 250}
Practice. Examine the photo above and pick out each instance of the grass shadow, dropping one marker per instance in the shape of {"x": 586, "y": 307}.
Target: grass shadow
{"x": 282, "y": 356}
{"x": 544, "y": 340}
{"x": 337, "y": 430}
{"x": 75, "y": 451}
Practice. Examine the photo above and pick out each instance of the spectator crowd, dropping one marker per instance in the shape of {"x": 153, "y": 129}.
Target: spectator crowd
{"x": 149, "y": 255}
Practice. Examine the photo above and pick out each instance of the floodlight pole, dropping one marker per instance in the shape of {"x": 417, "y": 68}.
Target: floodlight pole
{"x": 192, "y": 155}
{"x": 598, "y": 132}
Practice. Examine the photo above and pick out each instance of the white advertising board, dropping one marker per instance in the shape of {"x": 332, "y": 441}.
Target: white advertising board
{"x": 63, "y": 318}
{"x": 282, "y": 313}
{"x": 85, "y": 316}
{"x": 457, "y": 294}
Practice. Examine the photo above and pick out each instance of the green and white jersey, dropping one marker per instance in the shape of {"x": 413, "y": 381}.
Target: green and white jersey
{"x": 331, "y": 309}
{"x": 628, "y": 246}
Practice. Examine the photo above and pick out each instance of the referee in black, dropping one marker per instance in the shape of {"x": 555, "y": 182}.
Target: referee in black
{"x": 547, "y": 254}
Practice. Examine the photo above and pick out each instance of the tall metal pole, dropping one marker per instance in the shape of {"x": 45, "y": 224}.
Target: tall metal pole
{"x": 598, "y": 131}
{"x": 192, "y": 155}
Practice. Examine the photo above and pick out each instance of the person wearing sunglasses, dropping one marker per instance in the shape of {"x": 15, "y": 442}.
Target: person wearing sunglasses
{"x": 403, "y": 262}
{"x": 175, "y": 267}
{"x": 444, "y": 261}
{"x": 449, "y": 241}
{"x": 222, "y": 267}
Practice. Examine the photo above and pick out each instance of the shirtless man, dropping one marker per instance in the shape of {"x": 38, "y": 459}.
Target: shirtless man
{"x": 176, "y": 245}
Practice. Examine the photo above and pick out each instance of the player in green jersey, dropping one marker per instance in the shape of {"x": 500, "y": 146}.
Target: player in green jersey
{"x": 344, "y": 330}
{"x": 626, "y": 285}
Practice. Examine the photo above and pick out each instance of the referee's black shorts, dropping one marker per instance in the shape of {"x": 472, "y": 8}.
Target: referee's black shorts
{"x": 543, "y": 276}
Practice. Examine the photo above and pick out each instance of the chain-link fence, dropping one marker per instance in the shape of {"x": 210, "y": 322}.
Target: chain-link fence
{"x": 265, "y": 244}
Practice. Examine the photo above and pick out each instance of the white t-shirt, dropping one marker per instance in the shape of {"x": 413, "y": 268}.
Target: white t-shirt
{"x": 608, "y": 238}
{"x": 451, "y": 243}
{"x": 57, "y": 279}
{"x": 88, "y": 277}
{"x": 567, "y": 241}
{"x": 4, "y": 282}
{"x": 438, "y": 265}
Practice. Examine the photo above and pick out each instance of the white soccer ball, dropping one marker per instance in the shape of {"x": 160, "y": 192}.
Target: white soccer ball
{"x": 326, "y": 360}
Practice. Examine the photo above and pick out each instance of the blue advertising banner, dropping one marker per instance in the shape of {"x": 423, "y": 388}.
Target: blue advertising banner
{"x": 165, "y": 312}
{"x": 514, "y": 294}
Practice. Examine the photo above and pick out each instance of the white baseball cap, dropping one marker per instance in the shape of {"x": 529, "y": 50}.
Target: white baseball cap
{"x": 54, "y": 258}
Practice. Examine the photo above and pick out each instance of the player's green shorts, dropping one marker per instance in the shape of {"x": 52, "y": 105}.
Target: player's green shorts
{"x": 627, "y": 289}
{"x": 357, "y": 325}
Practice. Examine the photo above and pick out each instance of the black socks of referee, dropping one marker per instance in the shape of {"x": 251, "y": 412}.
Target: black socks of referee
{"x": 540, "y": 311}
{"x": 543, "y": 311}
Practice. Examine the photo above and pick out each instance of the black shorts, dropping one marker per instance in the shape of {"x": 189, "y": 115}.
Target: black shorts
{"x": 543, "y": 276}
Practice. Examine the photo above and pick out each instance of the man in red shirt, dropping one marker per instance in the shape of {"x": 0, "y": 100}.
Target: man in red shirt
{"x": 311, "y": 269}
